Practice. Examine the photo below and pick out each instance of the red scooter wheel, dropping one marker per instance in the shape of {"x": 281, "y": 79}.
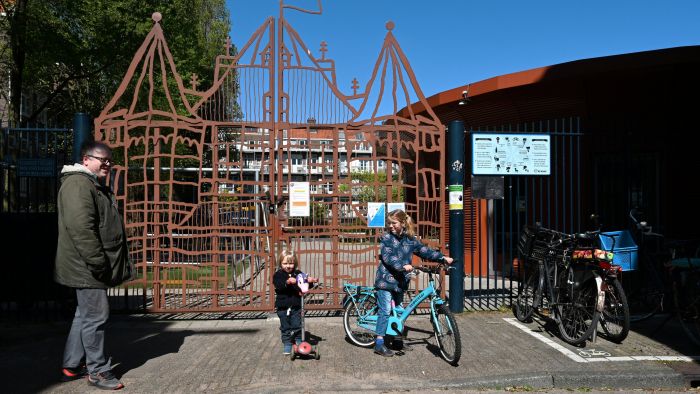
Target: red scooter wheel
{"x": 304, "y": 348}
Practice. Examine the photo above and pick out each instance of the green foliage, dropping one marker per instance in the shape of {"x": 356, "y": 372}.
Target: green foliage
{"x": 319, "y": 213}
{"x": 228, "y": 196}
{"x": 76, "y": 52}
{"x": 364, "y": 187}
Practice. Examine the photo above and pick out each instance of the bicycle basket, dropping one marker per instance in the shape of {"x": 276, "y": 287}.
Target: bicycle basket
{"x": 625, "y": 248}
{"x": 534, "y": 244}
{"x": 526, "y": 241}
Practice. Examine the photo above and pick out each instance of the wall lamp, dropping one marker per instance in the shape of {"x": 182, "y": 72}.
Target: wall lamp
{"x": 465, "y": 94}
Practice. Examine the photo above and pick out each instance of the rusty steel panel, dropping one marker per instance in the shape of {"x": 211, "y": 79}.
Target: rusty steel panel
{"x": 203, "y": 176}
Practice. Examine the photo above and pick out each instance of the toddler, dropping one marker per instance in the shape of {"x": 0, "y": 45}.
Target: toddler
{"x": 288, "y": 299}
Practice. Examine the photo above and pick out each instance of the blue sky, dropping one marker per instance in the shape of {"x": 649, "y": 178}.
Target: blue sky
{"x": 451, "y": 43}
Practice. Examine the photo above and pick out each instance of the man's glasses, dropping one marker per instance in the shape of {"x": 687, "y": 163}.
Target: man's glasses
{"x": 104, "y": 160}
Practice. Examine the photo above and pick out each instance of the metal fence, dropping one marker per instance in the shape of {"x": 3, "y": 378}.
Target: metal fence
{"x": 275, "y": 120}
{"x": 30, "y": 162}
{"x": 553, "y": 200}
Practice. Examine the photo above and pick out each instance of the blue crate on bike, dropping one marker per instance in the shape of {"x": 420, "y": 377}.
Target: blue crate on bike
{"x": 625, "y": 248}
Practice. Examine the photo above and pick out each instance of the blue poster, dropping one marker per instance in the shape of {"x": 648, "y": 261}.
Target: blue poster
{"x": 376, "y": 213}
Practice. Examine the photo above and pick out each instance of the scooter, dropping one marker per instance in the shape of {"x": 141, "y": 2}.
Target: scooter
{"x": 304, "y": 348}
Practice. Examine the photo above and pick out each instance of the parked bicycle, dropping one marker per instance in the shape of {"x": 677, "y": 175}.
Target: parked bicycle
{"x": 360, "y": 316}
{"x": 648, "y": 289}
{"x": 684, "y": 269}
{"x": 614, "y": 321}
{"x": 672, "y": 270}
{"x": 553, "y": 286}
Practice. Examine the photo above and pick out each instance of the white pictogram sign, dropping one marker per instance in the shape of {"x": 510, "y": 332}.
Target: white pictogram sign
{"x": 510, "y": 154}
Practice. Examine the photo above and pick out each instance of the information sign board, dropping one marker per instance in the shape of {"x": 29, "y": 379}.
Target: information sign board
{"x": 510, "y": 154}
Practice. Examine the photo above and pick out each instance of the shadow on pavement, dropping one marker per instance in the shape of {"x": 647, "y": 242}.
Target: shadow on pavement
{"x": 666, "y": 329}
{"x": 32, "y": 361}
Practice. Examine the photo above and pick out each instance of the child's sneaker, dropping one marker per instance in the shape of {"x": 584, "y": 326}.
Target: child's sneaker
{"x": 383, "y": 351}
{"x": 287, "y": 349}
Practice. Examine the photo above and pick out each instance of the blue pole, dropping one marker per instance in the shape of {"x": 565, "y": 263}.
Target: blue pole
{"x": 81, "y": 133}
{"x": 455, "y": 181}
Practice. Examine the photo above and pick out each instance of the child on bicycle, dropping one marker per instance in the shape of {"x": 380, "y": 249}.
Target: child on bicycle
{"x": 397, "y": 248}
{"x": 288, "y": 299}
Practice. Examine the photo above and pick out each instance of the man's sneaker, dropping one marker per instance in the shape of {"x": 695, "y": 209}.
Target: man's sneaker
{"x": 70, "y": 374}
{"x": 383, "y": 351}
{"x": 105, "y": 381}
{"x": 287, "y": 349}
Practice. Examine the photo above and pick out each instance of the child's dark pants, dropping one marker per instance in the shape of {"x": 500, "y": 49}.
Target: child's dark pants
{"x": 290, "y": 324}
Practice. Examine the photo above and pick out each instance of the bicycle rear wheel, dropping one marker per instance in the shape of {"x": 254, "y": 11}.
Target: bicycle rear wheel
{"x": 355, "y": 311}
{"x": 686, "y": 298}
{"x": 615, "y": 318}
{"x": 576, "y": 307}
{"x": 530, "y": 293}
{"x": 447, "y": 335}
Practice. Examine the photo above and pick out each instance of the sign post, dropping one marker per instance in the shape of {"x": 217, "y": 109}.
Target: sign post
{"x": 455, "y": 179}
{"x": 81, "y": 133}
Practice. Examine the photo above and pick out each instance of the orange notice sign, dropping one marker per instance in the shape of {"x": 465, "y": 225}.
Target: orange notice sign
{"x": 299, "y": 199}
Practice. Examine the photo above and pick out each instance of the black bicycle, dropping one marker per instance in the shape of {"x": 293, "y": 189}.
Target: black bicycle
{"x": 673, "y": 270}
{"x": 684, "y": 270}
{"x": 614, "y": 321}
{"x": 553, "y": 285}
{"x": 648, "y": 292}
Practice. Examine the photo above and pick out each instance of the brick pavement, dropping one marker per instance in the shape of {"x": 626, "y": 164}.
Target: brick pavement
{"x": 244, "y": 355}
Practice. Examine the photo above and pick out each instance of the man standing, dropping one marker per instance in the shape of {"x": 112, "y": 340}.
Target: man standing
{"x": 91, "y": 256}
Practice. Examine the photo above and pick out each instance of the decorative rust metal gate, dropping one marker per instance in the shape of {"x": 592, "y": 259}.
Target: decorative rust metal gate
{"x": 204, "y": 177}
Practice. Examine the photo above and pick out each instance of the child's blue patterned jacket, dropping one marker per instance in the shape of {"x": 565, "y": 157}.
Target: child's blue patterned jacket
{"x": 395, "y": 252}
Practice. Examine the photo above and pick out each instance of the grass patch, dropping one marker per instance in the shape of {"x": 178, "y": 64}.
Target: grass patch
{"x": 197, "y": 276}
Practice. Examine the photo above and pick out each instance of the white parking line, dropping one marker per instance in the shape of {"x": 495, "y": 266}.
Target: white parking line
{"x": 575, "y": 357}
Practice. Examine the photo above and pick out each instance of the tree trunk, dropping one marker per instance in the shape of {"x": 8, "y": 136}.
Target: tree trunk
{"x": 18, "y": 37}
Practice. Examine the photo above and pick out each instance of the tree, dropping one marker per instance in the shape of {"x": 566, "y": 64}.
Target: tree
{"x": 72, "y": 55}
{"x": 363, "y": 188}
{"x": 14, "y": 29}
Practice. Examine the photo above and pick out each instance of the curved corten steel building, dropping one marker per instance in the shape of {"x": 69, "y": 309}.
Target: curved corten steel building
{"x": 623, "y": 135}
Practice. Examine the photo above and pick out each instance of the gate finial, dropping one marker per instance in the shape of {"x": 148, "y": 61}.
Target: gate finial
{"x": 156, "y": 16}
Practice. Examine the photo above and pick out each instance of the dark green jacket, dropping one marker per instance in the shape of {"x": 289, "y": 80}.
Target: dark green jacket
{"x": 92, "y": 250}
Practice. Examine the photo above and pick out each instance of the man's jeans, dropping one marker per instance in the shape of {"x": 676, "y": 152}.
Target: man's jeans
{"x": 290, "y": 324}
{"x": 87, "y": 333}
{"x": 384, "y": 298}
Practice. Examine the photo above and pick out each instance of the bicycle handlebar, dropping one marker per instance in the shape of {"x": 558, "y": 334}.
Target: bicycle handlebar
{"x": 554, "y": 239}
{"x": 434, "y": 269}
{"x": 559, "y": 237}
{"x": 642, "y": 226}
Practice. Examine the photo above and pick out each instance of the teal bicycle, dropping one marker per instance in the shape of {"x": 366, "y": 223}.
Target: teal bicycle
{"x": 360, "y": 316}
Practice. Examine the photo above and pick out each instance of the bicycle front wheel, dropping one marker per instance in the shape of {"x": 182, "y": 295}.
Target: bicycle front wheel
{"x": 646, "y": 297}
{"x": 355, "y": 313}
{"x": 686, "y": 297}
{"x": 447, "y": 334}
{"x": 615, "y": 318}
{"x": 576, "y": 307}
{"x": 530, "y": 293}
